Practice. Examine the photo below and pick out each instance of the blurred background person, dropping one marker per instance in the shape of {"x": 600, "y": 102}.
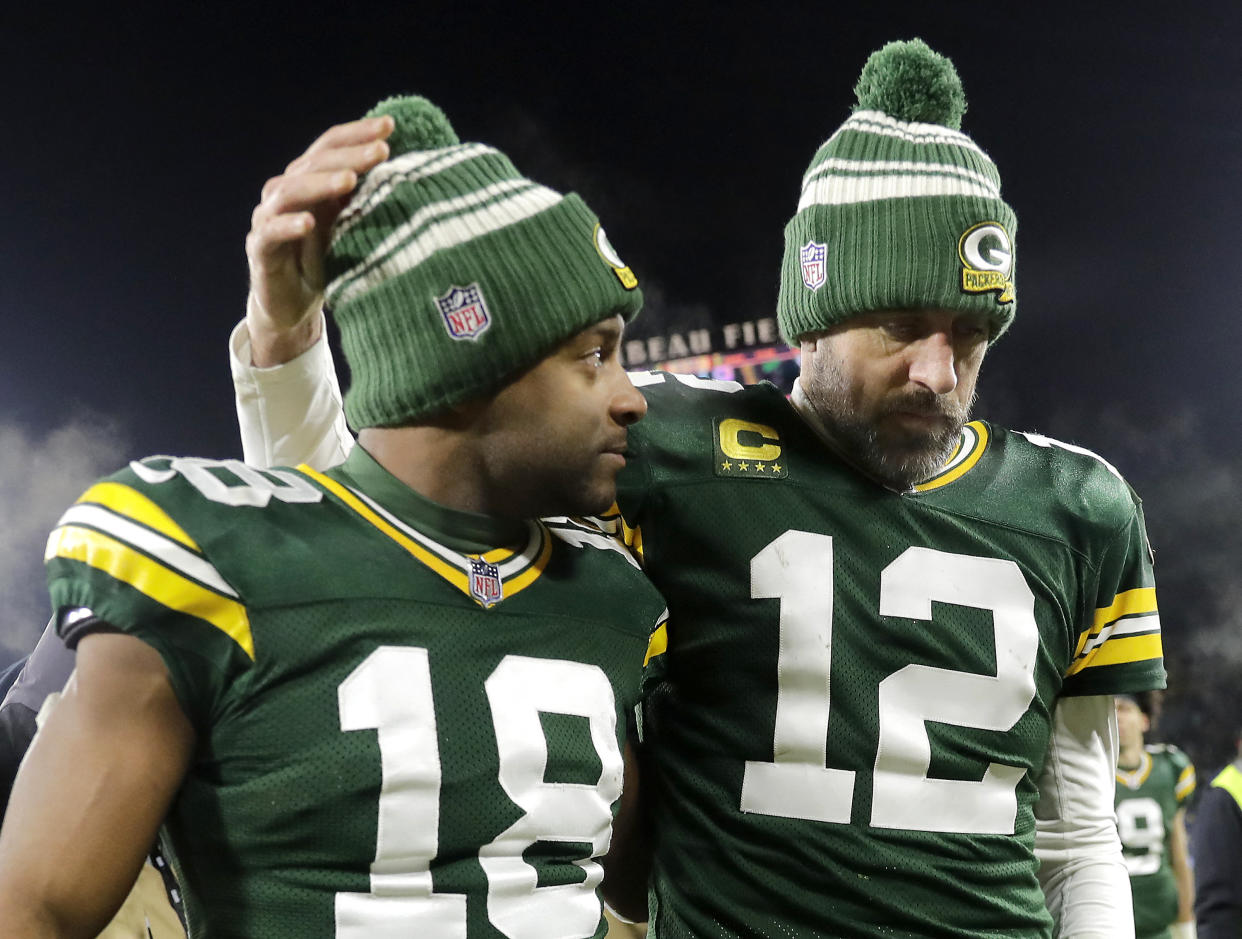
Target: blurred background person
{"x": 1218, "y": 853}
{"x": 1154, "y": 782}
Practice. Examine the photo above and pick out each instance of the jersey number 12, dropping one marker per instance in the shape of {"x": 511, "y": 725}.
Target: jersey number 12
{"x": 799, "y": 784}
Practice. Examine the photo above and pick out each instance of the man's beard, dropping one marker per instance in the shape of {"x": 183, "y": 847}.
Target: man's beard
{"x": 893, "y": 456}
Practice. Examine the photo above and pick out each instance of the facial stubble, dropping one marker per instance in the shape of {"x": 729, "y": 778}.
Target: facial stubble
{"x": 895, "y": 457}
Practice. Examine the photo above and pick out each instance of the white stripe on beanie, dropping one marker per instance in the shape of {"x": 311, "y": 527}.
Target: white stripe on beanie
{"x": 408, "y": 167}
{"x": 877, "y": 122}
{"x": 440, "y": 235}
{"x": 846, "y": 190}
{"x": 878, "y": 167}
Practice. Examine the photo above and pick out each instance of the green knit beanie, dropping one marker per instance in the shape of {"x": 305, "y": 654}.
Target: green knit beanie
{"x": 899, "y": 208}
{"x": 449, "y": 273}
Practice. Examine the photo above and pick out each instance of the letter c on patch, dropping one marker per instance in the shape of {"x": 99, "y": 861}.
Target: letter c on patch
{"x": 730, "y": 440}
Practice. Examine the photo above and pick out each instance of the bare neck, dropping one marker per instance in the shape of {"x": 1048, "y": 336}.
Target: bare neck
{"x": 1130, "y": 755}
{"x": 439, "y": 463}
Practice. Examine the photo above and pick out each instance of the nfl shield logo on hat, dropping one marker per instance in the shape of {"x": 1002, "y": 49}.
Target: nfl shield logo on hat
{"x": 814, "y": 264}
{"x": 485, "y": 583}
{"x": 465, "y": 312}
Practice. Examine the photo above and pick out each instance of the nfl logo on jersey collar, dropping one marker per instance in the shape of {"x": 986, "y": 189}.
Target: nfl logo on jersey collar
{"x": 465, "y": 312}
{"x": 814, "y": 264}
{"x": 485, "y": 585}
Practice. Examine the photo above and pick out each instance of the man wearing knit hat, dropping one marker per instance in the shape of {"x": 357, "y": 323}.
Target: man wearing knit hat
{"x": 369, "y": 702}
{"x": 882, "y": 703}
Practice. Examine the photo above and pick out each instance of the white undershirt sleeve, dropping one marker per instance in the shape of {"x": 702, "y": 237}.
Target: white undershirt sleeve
{"x": 1081, "y": 869}
{"x": 291, "y": 413}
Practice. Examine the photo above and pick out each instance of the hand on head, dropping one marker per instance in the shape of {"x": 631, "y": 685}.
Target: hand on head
{"x": 289, "y": 236}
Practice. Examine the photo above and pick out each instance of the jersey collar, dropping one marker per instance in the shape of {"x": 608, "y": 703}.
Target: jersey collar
{"x": 1134, "y": 778}
{"x": 468, "y": 532}
{"x": 487, "y": 559}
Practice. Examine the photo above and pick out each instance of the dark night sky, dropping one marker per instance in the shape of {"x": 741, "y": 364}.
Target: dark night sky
{"x": 135, "y": 144}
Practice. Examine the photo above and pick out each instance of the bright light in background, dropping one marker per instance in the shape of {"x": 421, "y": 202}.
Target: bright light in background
{"x": 40, "y": 475}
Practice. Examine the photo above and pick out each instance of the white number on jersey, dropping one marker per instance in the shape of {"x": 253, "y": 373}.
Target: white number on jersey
{"x": 1140, "y": 823}
{"x": 391, "y": 692}
{"x": 798, "y": 784}
{"x": 249, "y": 486}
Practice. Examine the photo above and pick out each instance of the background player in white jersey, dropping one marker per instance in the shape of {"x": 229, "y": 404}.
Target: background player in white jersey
{"x": 883, "y": 704}
{"x": 377, "y": 701}
{"x": 1154, "y": 784}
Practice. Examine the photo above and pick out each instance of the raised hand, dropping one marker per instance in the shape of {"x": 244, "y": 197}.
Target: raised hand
{"x": 289, "y": 236}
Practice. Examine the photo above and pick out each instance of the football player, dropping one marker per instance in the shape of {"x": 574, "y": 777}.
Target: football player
{"x": 1154, "y": 782}
{"x": 369, "y": 702}
{"x": 883, "y": 703}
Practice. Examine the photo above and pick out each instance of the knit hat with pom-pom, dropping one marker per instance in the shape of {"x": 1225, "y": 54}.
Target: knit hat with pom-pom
{"x": 899, "y": 208}
{"x": 449, "y": 273}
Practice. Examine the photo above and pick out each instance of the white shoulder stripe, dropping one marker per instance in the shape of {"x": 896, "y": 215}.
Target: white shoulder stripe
{"x": 1041, "y": 441}
{"x": 580, "y": 538}
{"x": 172, "y": 555}
{"x": 1129, "y": 626}
{"x": 649, "y": 377}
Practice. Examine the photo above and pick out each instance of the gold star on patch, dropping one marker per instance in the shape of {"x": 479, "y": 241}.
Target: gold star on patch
{"x": 758, "y": 467}
{"x": 776, "y": 467}
{"x": 726, "y": 466}
{"x": 743, "y": 467}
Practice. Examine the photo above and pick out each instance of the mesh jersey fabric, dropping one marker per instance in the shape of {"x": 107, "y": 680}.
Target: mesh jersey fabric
{"x": 834, "y": 752}
{"x": 377, "y": 750}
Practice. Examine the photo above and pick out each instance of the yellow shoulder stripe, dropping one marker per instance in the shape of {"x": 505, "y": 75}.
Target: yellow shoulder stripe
{"x": 133, "y": 504}
{"x": 1185, "y": 783}
{"x": 633, "y": 538}
{"x": 1121, "y": 650}
{"x": 658, "y": 643}
{"x": 1126, "y": 603}
{"x": 153, "y": 579}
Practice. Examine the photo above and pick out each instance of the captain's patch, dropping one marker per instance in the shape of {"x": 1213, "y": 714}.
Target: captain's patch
{"x": 744, "y": 448}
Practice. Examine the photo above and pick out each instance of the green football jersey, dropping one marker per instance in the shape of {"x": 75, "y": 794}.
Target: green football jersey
{"x": 1148, "y": 797}
{"x": 394, "y": 738}
{"x": 851, "y": 703}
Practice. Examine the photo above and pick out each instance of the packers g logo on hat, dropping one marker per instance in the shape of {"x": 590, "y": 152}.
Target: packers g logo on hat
{"x": 609, "y": 254}
{"x": 986, "y": 251}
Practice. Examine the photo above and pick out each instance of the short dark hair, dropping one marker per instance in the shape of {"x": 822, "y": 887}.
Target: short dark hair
{"x": 1150, "y": 703}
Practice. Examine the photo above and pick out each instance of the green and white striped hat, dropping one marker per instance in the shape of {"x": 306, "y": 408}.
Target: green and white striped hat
{"x": 899, "y": 208}
{"x": 449, "y": 273}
